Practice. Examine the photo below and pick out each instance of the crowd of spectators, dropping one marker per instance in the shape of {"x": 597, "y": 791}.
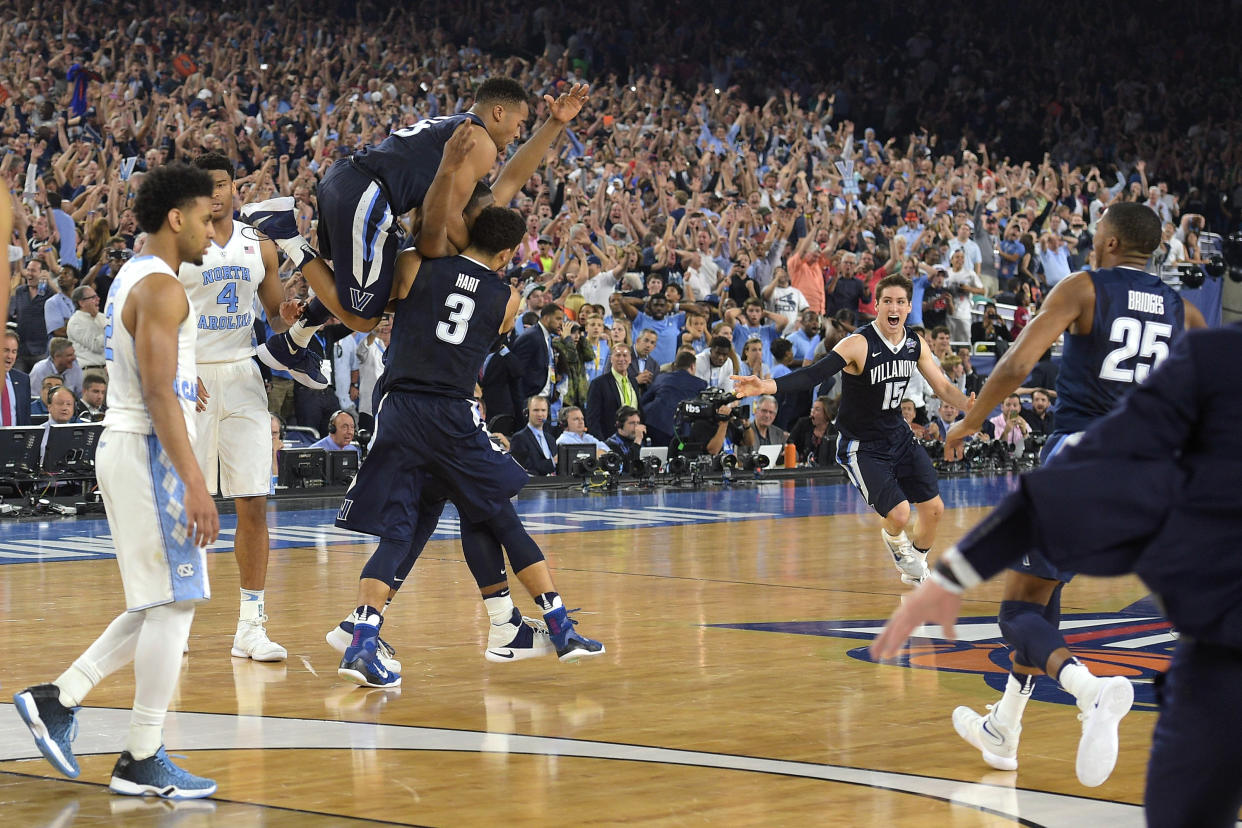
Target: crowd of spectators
{"x": 739, "y": 181}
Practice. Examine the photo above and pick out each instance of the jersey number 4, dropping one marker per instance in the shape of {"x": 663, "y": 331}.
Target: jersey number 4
{"x": 453, "y": 331}
{"x": 228, "y": 297}
{"x": 1149, "y": 341}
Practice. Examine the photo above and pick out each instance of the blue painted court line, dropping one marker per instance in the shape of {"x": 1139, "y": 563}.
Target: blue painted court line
{"x": 543, "y": 511}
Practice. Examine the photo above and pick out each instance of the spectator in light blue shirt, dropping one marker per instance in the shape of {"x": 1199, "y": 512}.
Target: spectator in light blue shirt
{"x": 805, "y": 340}
{"x": 575, "y": 433}
{"x": 340, "y": 436}
{"x": 1054, "y": 256}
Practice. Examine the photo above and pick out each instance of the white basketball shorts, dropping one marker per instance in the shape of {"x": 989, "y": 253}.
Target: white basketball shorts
{"x": 234, "y": 441}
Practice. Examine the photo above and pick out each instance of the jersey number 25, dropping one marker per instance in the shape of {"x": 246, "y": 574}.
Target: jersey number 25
{"x": 1149, "y": 341}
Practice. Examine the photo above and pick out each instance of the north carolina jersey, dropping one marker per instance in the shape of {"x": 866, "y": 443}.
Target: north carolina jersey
{"x": 406, "y": 161}
{"x": 222, "y": 295}
{"x": 444, "y": 328}
{"x": 871, "y": 401}
{"x": 127, "y": 410}
{"x": 1136, "y": 315}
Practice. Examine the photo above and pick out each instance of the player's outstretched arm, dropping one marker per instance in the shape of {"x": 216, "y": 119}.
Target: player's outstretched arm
{"x": 851, "y": 351}
{"x": 930, "y": 602}
{"x": 157, "y": 306}
{"x": 1071, "y": 300}
{"x": 526, "y": 160}
{"x": 939, "y": 382}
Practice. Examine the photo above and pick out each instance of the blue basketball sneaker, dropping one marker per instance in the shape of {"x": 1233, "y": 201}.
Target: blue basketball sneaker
{"x": 361, "y": 663}
{"x": 281, "y": 354}
{"x": 570, "y": 645}
{"x": 53, "y": 725}
{"x": 342, "y": 636}
{"x": 158, "y": 776}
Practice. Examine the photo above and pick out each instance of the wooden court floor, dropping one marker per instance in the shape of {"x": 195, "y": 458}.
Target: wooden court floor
{"x": 691, "y": 718}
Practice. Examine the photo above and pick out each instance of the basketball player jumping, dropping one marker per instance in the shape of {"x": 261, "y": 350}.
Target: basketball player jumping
{"x": 1118, "y": 320}
{"x": 234, "y": 429}
{"x": 876, "y": 447}
{"x": 159, "y": 511}
{"x": 361, "y": 199}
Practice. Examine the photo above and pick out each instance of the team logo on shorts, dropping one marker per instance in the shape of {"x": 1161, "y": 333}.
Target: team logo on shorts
{"x": 343, "y": 512}
{"x": 360, "y": 299}
{"x": 1136, "y": 642}
{"x": 185, "y": 570}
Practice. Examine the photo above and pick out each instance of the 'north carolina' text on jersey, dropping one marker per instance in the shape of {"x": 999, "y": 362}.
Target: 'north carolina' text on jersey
{"x": 222, "y": 293}
{"x": 871, "y": 401}
{"x": 407, "y": 160}
{"x": 1136, "y": 315}
{"x": 444, "y": 328}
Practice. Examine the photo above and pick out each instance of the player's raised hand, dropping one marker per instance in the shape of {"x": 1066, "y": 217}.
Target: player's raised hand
{"x": 458, "y": 148}
{"x": 567, "y": 106}
{"x": 752, "y": 386}
{"x": 930, "y": 602}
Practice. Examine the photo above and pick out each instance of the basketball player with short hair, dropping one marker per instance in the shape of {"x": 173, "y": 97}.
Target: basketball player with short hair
{"x": 428, "y": 434}
{"x": 875, "y": 446}
{"x": 233, "y": 427}
{"x": 361, "y": 200}
{"x": 159, "y": 510}
{"x": 1118, "y": 321}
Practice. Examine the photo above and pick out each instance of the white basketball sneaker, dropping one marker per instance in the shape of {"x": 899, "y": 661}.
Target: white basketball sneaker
{"x": 518, "y": 638}
{"x": 251, "y": 641}
{"x": 998, "y": 744}
{"x": 911, "y": 563}
{"x": 1097, "y": 749}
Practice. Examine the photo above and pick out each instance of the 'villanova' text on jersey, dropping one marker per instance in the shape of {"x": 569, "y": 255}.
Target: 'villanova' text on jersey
{"x": 1136, "y": 315}
{"x": 871, "y": 401}
{"x": 406, "y": 161}
{"x": 443, "y": 329}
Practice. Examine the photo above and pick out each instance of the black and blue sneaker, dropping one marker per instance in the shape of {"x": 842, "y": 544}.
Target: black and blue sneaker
{"x": 361, "y": 663}
{"x": 281, "y": 354}
{"x": 570, "y": 645}
{"x": 53, "y": 725}
{"x": 158, "y": 776}
{"x": 276, "y": 220}
{"x": 342, "y": 636}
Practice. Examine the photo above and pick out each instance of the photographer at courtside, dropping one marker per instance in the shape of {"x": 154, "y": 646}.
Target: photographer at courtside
{"x": 711, "y": 423}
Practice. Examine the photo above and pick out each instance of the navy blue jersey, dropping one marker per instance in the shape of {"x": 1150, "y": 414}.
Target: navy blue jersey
{"x": 1136, "y": 315}
{"x": 443, "y": 329}
{"x": 871, "y": 401}
{"x": 407, "y": 160}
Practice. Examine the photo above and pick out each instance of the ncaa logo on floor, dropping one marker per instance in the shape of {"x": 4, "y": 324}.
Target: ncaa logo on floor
{"x": 1136, "y": 642}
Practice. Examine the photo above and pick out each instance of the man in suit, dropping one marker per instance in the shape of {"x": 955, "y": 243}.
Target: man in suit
{"x": 608, "y": 392}
{"x": 660, "y": 402}
{"x": 15, "y": 399}
{"x": 534, "y": 446}
{"x": 643, "y": 366}
{"x": 531, "y": 357}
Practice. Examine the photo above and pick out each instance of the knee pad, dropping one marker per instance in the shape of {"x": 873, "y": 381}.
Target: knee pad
{"x": 482, "y": 552}
{"x": 1052, "y": 612}
{"x": 1030, "y": 635}
{"x": 429, "y": 511}
{"x": 387, "y": 558}
{"x": 521, "y": 548}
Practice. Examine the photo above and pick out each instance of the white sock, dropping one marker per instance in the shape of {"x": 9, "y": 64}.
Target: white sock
{"x": 157, "y": 667}
{"x": 112, "y": 650}
{"x": 499, "y": 608}
{"x": 900, "y": 537}
{"x": 251, "y": 605}
{"x": 1008, "y": 711}
{"x": 1080, "y": 683}
{"x": 301, "y": 333}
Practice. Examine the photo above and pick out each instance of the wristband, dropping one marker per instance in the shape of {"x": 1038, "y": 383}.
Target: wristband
{"x": 942, "y": 577}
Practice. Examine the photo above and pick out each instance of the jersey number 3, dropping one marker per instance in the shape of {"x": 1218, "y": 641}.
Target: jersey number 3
{"x": 1147, "y": 340}
{"x": 453, "y": 331}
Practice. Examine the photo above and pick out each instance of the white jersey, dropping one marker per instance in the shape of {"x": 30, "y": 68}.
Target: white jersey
{"x": 127, "y": 411}
{"x": 222, "y": 294}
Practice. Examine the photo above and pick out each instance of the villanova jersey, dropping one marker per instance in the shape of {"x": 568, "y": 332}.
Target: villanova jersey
{"x": 444, "y": 328}
{"x": 871, "y": 401}
{"x": 222, "y": 295}
{"x": 127, "y": 410}
{"x": 406, "y": 161}
{"x": 1136, "y": 315}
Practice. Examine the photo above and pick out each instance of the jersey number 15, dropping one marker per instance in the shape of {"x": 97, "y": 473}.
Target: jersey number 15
{"x": 1149, "y": 341}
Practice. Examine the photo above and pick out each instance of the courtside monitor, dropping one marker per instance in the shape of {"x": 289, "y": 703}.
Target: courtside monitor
{"x": 342, "y": 467}
{"x": 302, "y": 468}
{"x": 19, "y": 452}
{"x": 566, "y": 455}
{"x": 70, "y": 452}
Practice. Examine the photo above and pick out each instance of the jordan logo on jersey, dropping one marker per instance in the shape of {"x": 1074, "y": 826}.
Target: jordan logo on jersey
{"x": 359, "y": 299}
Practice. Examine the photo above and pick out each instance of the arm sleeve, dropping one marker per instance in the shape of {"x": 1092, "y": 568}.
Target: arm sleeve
{"x": 812, "y": 375}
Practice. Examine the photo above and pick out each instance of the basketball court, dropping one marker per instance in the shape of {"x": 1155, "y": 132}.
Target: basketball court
{"x": 736, "y": 689}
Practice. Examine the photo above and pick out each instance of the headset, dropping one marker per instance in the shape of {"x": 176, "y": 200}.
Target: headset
{"x": 332, "y": 420}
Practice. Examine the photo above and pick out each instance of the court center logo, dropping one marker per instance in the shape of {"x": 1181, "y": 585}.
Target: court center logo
{"x": 1136, "y": 642}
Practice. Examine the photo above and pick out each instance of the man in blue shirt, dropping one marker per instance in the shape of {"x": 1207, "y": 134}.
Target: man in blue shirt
{"x": 340, "y": 436}
{"x": 654, "y": 317}
{"x": 752, "y": 321}
{"x": 805, "y": 340}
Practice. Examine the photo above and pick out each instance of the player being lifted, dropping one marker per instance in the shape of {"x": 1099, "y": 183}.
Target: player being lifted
{"x": 1118, "y": 320}
{"x": 875, "y": 446}
{"x": 361, "y": 200}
